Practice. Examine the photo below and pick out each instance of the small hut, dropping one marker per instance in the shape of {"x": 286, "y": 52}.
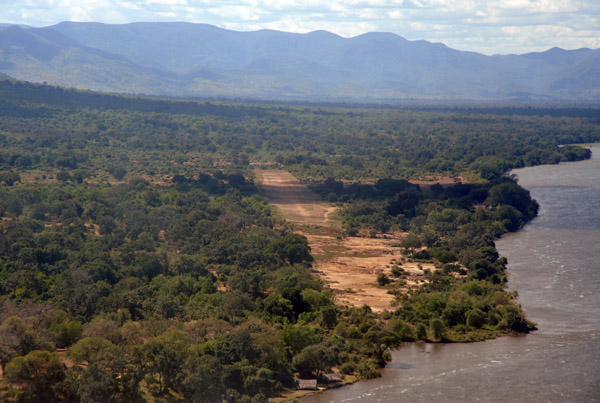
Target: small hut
{"x": 306, "y": 384}
{"x": 332, "y": 378}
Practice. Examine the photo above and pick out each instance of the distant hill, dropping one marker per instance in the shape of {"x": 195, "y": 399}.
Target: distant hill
{"x": 183, "y": 59}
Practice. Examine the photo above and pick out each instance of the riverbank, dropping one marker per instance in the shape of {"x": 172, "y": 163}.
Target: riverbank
{"x": 552, "y": 263}
{"x": 352, "y": 267}
{"x": 294, "y": 395}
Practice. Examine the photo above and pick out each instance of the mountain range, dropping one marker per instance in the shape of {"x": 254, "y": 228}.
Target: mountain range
{"x": 199, "y": 60}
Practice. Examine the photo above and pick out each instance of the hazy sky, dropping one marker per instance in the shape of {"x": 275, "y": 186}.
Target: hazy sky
{"x": 486, "y": 26}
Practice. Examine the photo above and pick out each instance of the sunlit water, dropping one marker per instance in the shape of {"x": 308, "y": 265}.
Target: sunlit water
{"x": 554, "y": 266}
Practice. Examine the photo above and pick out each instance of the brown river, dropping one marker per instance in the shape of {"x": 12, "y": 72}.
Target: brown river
{"x": 554, "y": 264}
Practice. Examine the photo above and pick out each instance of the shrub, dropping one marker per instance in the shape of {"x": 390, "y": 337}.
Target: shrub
{"x": 368, "y": 370}
{"x": 438, "y": 329}
{"x": 347, "y": 368}
{"x": 421, "y": 332}
{"x": 397, "y": 271}
{"x": 476, "y": 318}
{"x": 382, "y": 279}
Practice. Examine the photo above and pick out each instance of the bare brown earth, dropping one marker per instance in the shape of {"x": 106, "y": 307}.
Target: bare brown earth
{"x": 440, "y": 180}
{"x": 349, "y": 265}
{"x": 296, "y": 202}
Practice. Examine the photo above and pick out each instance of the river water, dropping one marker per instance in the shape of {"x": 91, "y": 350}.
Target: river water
{"x": 554, "y": 264}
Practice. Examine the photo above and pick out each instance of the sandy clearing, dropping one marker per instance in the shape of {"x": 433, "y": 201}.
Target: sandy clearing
{"x": 296, "y": 202}
{"x": 349, "y": 265}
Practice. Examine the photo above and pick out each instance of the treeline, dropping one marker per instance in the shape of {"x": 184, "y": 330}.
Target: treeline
{"x": 57, "y": 126}
{"x": 77, "y": 99}
{"x": 400, "y": 205}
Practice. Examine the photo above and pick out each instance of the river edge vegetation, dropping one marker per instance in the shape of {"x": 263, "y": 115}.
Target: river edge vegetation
{"x": 139, "y": 262}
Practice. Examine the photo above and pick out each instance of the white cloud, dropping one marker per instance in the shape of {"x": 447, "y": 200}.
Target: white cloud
{"x": 419, "y": 26}
{"x": 79, "y": 14}
{"x": 243, "y": 13}
{"x": 396, "y": 14}
{"x": 168, "y": 2}
{"x": 536, "y": 6}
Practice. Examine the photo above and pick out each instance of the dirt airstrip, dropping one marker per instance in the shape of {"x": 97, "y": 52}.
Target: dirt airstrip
{"x": 349, "y": 265}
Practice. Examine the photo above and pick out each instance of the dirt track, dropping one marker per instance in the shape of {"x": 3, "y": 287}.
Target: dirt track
{"x": 349, "y": 265}
{"x": 296, "y": 202}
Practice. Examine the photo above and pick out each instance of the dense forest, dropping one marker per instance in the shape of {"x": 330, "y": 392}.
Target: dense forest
{"x": 139, "y": 261}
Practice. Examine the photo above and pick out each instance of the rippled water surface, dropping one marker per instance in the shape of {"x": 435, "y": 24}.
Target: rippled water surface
{"x": 554, "y": 266}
